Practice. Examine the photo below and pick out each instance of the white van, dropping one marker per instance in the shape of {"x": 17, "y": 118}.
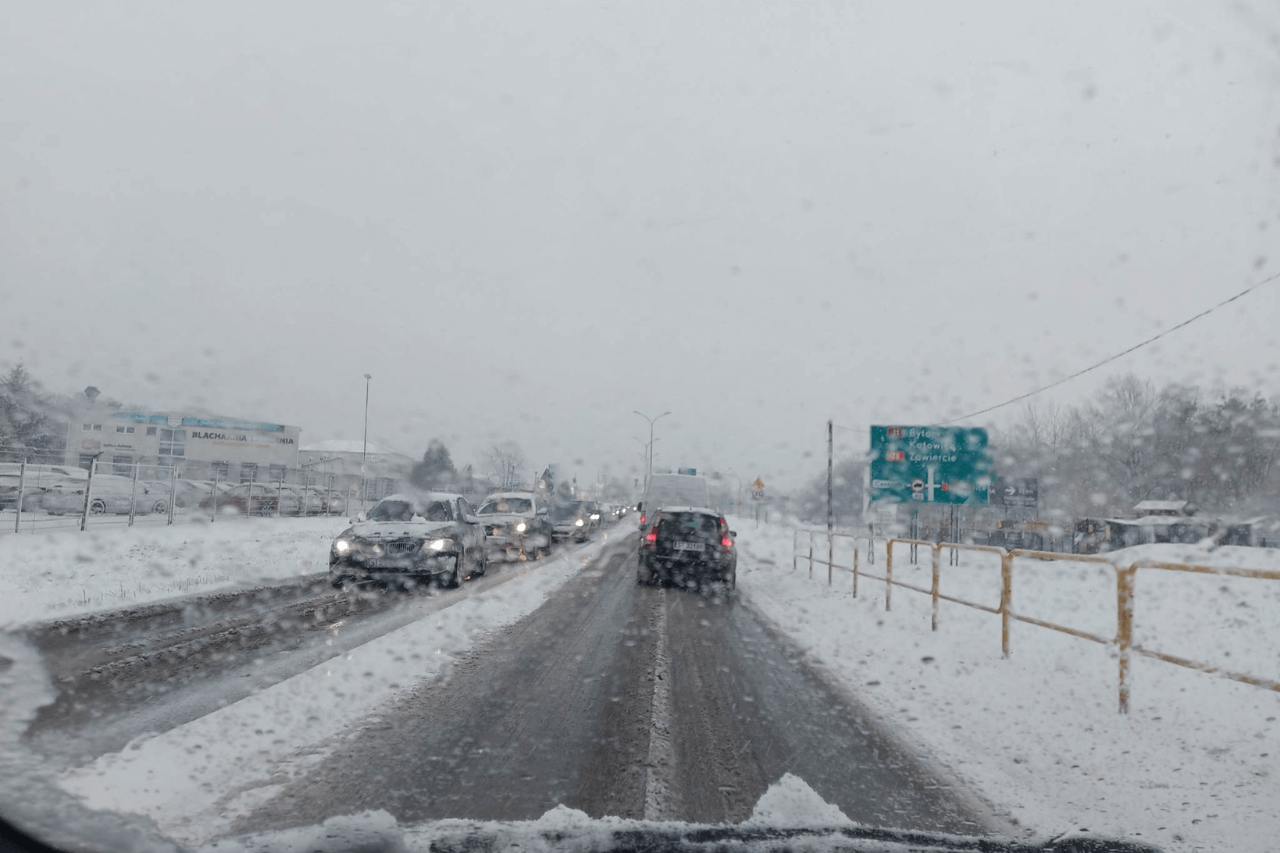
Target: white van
{"x": 686, "y": 490}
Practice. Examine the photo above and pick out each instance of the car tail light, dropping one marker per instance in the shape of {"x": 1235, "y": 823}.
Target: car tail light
{"x": 651, "y": 538}
{"x": 726, "y": 542}
{"x": 642, "y": 519}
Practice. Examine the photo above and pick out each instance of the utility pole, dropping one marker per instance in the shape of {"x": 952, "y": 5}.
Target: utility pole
{"x": 651, "y": 421}
{"x": 830, "y": 454}
{"x": 364, "y": 453}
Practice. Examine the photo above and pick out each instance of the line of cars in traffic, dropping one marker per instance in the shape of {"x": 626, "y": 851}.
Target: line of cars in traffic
{"x": 420, "y": 539}
{"x": 423, "y": 539}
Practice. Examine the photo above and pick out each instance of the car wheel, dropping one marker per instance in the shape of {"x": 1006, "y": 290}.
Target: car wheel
{"x": 159, "y": 507}
{"x": 97, "y": 507}
{"x": 455, "y": 579}
{"x": 482, "y": 564}
{"x": 266, "y": 510}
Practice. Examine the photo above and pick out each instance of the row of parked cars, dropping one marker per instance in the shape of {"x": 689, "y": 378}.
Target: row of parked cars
{"x": 438, "y": 538}
{"x": 63, "y": 490}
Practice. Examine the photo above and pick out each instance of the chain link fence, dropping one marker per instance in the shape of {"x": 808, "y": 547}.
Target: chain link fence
{"x": 40, "y": 492}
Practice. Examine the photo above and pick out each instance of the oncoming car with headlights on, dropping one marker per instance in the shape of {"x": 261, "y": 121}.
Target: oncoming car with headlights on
{"x": 415, "y": 539}
{"x": 516, "y": 525}
{"x": 576, "y": 520}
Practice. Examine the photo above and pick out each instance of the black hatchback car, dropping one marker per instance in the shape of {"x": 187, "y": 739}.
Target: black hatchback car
{"x": 688, "y": 546}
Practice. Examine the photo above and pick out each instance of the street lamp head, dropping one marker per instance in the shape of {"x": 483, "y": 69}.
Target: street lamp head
{"x": 368, "y": 376}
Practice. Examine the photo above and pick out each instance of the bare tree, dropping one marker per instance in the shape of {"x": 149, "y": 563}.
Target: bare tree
{"x": 504, "y": 461}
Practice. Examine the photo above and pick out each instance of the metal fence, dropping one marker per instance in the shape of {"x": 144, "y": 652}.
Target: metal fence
{"x": 1124, "y": 576}
{"x": 38, "y": 496}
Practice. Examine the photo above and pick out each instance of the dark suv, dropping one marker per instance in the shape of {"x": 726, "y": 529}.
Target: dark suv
{"x": 688, "y": 546}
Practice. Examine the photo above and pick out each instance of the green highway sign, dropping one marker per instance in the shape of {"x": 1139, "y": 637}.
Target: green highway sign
{"x": 930, "y": 464}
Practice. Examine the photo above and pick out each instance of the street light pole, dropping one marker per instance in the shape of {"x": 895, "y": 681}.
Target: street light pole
{"x": 364, "y": 452}
{"x": 651, "y": 421}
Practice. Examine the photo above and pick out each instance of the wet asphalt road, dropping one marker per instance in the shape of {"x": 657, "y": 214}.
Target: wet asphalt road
{"x": 624, "y": 700}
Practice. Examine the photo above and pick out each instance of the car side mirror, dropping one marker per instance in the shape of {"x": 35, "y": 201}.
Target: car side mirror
{"x": 360, "y": 516}
{"x": 640, "y": 506}
{"x": 733, "y": 534}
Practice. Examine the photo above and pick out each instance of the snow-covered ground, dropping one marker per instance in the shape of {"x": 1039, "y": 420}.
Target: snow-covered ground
{"x": 1193, "y": 766}
{"x": 106, "y": 568}
{"x": 246, "y": 751}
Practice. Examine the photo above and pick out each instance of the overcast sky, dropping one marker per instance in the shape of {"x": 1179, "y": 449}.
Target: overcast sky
{"x": 527, "y": 219}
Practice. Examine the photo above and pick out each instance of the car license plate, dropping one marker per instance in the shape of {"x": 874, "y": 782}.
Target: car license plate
{"x": 686, "y": 546}
{"x": 387, "y": 563}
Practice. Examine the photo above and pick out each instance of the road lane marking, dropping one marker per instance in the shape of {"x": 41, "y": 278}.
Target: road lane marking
{"x": 657, "y": 786}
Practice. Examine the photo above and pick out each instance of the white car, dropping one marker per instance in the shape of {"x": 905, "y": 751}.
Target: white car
{"x": 516, "y": 524}
{"x": 108, "y": 495}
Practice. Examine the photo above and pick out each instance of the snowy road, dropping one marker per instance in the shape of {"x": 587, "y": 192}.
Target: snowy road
{"x": 147, "y": 669}
{"x": 620, "y": 700}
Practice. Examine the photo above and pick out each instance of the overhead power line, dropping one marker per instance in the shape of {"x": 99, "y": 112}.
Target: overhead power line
{"x": 1121, "y": 354}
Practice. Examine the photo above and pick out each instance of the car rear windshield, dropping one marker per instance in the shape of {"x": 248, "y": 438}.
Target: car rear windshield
{"x": 684, "y": 523}
{"x": 506, "y": 505}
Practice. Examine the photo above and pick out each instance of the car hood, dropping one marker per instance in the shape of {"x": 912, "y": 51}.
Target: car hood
{"x": 785, "y": 819}
{"x": 374, "y": 530}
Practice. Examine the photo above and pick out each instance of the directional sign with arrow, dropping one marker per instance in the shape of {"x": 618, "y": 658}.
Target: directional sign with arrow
{"x": 1016, "y": 491}
{"x": 930, "y": 464}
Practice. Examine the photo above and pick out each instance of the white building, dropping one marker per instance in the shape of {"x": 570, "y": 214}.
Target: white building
{"x": 201, "y": 446}
{"x": 343, "y": 466}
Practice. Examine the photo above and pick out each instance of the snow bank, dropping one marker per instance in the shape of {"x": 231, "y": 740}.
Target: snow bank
{"x": 248, "y": 750}
{"x": 55, "y": 576}
{"x": 1194, "y": 766}
{"x": 791, "y": 802}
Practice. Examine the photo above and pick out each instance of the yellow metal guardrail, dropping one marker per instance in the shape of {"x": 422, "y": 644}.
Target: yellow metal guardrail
{"x": 1125, "y": 585}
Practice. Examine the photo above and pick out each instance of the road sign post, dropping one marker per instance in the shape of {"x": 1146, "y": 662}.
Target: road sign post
{"x": 931, "y": 465}
{"x": 757, "y": 495}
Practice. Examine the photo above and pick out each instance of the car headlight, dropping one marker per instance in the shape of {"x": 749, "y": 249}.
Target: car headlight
{"x": 440, "y": 544}
{"x": 577, "y": 523}
{"x": 341, "y": 547}
{"x": 521, "y": 527}
{"x": 595, "y": 516}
